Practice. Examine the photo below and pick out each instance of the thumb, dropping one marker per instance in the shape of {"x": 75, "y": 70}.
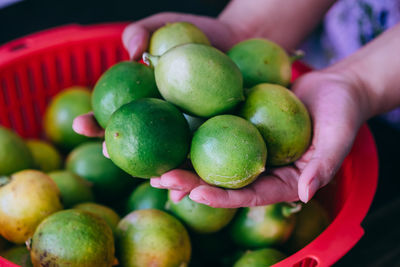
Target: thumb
{"x": 135, "y": 39}
{"x": 331, "y": 144}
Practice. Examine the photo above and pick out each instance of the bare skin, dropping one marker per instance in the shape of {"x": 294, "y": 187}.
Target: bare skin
{"x": 339, "y": 98}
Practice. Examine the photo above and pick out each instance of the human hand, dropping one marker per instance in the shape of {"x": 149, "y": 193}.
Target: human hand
{"x": 337, "y": 108}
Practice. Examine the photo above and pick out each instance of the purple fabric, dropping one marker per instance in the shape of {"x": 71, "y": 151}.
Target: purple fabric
{"x": 350, "y": 24}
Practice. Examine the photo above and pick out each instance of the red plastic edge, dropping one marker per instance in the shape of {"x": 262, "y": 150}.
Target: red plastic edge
{"x": 339, "y": 237}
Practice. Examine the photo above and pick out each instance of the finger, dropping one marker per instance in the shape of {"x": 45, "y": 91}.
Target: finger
{"x": 135, "y": 39}
{"x": 265, "y": 190}
{"x": 324, "y": 157}
{"x": 181, "y": 180}
{"x": 87, "y": 125}
{"x": 105, "y": 152}
{"x": 176, "y": 195}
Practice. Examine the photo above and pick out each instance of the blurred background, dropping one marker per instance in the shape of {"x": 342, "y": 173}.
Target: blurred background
{"x": 378, "y": 247}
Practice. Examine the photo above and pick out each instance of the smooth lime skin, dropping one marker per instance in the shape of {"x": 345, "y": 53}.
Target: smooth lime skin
{"x": 46, "y": 157}
{"x": 152, "y": 238}
{"x": 59, "y": 115}
{"x": 174, "y": 34}
{"x": 14, "y": 153}
{"x": 104, "y": 212}
{"x": 108, "y": 181}
{"x": 73, "y": 188}
{"x": 228, "y": 151}
{"x": 282, "y": 119}
{"x": 147, "y": 137}
{"x": 147, "y": 197}
{"x": 262, "y": 226}
{"x": 28, "y": 198}
{"x": 73, "y": 238}
{"x": 199, "y": 217}
{"x": 310, "y": 222}
{"x": 120, "y": 84}
{"x": 260, "y": 258}
{"x": 261, "y": 61}
{"x": 199, "y": 79}
{"x": 18, "y": 255}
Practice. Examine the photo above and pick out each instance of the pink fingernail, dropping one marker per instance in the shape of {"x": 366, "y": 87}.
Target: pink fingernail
{"x": 312, "y": 188}
{"x": 198, "y": 198}
{"x": 105, "y": 152}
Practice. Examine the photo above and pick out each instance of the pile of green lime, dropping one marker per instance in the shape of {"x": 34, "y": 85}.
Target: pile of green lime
{"x": 73, "y": 206}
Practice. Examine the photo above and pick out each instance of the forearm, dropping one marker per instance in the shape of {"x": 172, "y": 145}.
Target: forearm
{"x": 286, "y": 22}
{"x": 375, "y": 69}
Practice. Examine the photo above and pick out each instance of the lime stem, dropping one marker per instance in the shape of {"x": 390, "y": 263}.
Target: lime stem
{"x": 150, "y": 60}
{"x": 296, "y": 55}
{"x": 291, "y": 208}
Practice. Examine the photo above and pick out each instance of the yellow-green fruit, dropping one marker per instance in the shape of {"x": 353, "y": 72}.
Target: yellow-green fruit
{"x": 282, "y": 119}
{"x": 174, "y": 34}
{"x": 260, "y": 258}
{"x": 310, "y": 222}
{"x": 45, "y": 156}
{"x": 104, "y": 212}
{"x": 73, "y": 188}
{"x": 62, "y": 110}
{"x": 199, "y": 79}
{"x": 18, "y": 255}
{"x": 73, "y": 238}
{"x": 14, "y": 153}
{"x": 199, "y": 217}
{"x": 26, "y": 198}
{"x": 228, "y": 151}
{"x": 152, "y": 238}
{"x": 262, "y": 226}
{"x": 146, "y": 197}
{"x": 261, "y": 61}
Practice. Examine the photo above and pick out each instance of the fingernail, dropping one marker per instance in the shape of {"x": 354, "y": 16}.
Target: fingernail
{"x": 133, "y": 45}
{"x": 155, "y": 183}
{"x": 312, "y": 188}
{"x": 198, "y": 198}
{"x": 105, "y": 152}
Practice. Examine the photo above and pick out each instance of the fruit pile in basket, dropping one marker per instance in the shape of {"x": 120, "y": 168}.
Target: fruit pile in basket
{"x": 229, "y": 117}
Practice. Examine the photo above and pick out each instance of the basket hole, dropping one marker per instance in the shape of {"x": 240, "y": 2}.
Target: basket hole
{"x": 307, "y": 262}
{"x": 18, "y": 47}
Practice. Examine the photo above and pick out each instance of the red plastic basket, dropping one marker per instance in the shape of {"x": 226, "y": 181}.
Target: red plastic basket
{"x": 34, "y": 68}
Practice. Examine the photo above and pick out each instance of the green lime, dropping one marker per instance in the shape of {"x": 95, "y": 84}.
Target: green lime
{"x": 45, "y": 155}
{"x": 147, "y": 197}
{"x": 26, "y": 197}
{"x": 104, "y": 212}
{"x": 60, "y": 113}
{"x": 228, "y": 151}
{"x": 73, "y": 188}
{"x": 261, "y": 61}
{"x": 282, "y": 119}
{"x": 120, "y": 84}
{"x": 199, "y": 217}
{"x": 256, "y": 227}
{"x": 147, "y": 137}
{"x": 260, "y": 258}
{"x": 4, "y": 244}
{"x": 310, "y": 222}
{"x": 18, "y": 255}
{"x": 109, "y": 182}
{"x": 199, "y": 79}
{"x": 174, "y": 34}
{"x": 14, "y": 153}
{"x": 152, "y": 238}
{"x": 73, "y": 238}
